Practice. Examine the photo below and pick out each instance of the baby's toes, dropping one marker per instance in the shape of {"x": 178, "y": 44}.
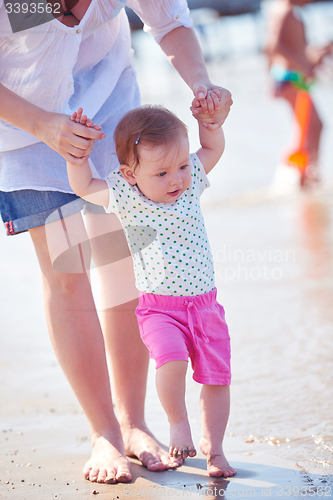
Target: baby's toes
{"x": 175, "y": 452}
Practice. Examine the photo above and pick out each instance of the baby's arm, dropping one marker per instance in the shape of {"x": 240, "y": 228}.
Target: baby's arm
{"x": 80, "y": 177}
{"x": 211, "y": 140}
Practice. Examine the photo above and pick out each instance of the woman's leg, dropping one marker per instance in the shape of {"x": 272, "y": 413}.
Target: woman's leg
{"x": 215, "y": 404}
{"x": 78, "y": 343}
{"x": 128, "y": 356}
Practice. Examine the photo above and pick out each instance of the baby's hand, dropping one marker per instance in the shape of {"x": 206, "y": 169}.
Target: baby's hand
{"x": 207, "y": 106}
{"x": 79, "y": 118}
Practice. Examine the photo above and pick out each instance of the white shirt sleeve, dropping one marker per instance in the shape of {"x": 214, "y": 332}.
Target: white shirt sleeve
{"x": 162, "y": 16}
{"x": 113, "y": 181}
{"x": 120, "y": 194}
{"x": 199, "y": 176}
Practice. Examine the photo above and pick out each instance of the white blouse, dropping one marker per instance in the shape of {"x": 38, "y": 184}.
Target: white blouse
{"x": 60, "y": 68}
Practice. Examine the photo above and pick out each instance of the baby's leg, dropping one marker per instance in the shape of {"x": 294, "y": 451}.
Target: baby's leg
{"x": 215, "y": 404}
{"x": 170, "y": 384}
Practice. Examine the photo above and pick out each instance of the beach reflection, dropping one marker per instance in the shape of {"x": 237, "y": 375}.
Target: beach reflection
{"x": 316, "y": 223}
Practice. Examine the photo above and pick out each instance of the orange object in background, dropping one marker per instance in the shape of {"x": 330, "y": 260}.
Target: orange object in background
{"x": 300, "y": 157}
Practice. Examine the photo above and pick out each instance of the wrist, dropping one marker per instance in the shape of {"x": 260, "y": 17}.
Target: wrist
{"x": 202, "y": 81}
{"x": 39, "y": 123}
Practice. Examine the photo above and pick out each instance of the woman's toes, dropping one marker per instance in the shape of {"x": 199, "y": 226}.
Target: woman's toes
{"x": 123, "y": 474}
{"x": 192, "y": 452}
{"x": 86, "y": 474}
{"x": 156, "y": 465}
{"x": 102, "y": 475}
{"x": 123, "y": 478}
{"x": 110, "y": 477}
{"x": 93, "y": 475}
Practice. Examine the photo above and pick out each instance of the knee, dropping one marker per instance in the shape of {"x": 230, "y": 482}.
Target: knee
{"x": 65, "y": 284}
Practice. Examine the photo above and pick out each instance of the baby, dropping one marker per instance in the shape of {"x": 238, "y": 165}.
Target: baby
{"x": 156, "y": 195}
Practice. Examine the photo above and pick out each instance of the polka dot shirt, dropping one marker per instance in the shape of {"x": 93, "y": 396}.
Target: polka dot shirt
{"x": 168, "y": 241}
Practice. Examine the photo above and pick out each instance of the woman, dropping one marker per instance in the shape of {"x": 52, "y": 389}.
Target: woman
{"x": 46, "y": 72}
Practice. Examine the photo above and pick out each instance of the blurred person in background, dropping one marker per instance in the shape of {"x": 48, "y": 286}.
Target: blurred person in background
{"x": 292, "y": 65}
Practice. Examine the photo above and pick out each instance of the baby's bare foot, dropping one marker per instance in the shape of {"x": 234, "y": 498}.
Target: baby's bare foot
{"x": 108, "y": 463}
{"x": 140, "y": 443}
{"x": 181, "y": 444}
{"x": 217, "y": 464}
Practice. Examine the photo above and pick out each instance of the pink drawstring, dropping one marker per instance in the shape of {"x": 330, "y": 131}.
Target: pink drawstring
{"x": 191, "y": 307}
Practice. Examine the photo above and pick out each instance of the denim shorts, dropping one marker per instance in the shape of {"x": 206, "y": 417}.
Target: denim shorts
{"x": 27, "y": 208}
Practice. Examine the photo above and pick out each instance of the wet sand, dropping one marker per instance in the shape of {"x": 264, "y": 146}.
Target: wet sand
{"x": 44, "y": 461}
{"x": 274, "y": 258}
{"x": 44, "y": 440}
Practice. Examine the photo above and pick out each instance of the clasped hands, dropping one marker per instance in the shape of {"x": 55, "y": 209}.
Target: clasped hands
{"x": 210, "y": 106}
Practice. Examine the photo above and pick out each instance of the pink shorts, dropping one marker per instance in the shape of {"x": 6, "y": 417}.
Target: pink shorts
{"x": 177, "y": 328}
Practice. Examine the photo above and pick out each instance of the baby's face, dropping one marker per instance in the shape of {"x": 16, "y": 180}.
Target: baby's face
{"x": 164, "y": 172}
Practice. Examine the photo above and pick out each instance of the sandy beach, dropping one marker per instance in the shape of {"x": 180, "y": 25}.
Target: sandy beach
{"x": 273, "y": 256}
{"x": 44, "y": 439}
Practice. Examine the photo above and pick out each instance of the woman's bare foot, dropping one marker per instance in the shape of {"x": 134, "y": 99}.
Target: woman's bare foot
{"x": 217, "y": 464}
{"x": 181, "y": 444}
{"x": 140, "y": 443}
{"x": 108, "y": 463}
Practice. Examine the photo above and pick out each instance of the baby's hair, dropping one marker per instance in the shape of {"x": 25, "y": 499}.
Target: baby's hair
{"x": 151, "y": 125}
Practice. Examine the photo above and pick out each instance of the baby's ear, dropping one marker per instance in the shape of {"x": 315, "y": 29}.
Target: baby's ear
{"x": 128, "y": 174}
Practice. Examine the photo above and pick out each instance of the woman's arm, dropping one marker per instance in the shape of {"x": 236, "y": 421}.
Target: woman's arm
{"x": 64, "y": 136}
{"x": 182, "y": 48}
{"x": 169, "y": 23}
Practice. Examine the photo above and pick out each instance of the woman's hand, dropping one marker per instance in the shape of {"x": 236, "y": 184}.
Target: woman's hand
{"x": 214, "y": 116}
{"x": 68, "y": 138}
